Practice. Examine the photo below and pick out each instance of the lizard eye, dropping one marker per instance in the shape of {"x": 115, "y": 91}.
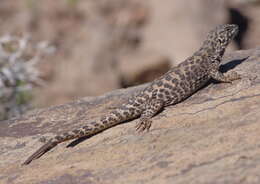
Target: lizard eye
{"x": 228, "y": 29}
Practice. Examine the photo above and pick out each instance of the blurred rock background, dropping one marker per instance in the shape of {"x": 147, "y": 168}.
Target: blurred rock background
{"x": 102, "y": 45}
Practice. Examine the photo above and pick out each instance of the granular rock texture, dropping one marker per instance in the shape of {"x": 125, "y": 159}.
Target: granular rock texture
{"x": 212, "y": 137}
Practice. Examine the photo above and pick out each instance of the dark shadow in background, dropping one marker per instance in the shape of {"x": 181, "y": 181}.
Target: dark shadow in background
{"x": 237, "y": 17}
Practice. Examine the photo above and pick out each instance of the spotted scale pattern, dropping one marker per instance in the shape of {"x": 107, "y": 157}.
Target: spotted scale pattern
{"x": 171, "y": 88}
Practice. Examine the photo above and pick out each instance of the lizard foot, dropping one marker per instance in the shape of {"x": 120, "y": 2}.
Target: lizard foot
{"x": 143, "y": 125}
{"x": 232, "y": 76}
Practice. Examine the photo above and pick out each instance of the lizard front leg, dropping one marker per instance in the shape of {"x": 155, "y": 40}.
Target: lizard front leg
{"x": 217, "y": 75}
{"x": 228, "y": 77}
{"x": 151, "y": 108}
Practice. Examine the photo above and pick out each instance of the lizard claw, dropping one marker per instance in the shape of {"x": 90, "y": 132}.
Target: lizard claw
{"x": 141, "y": 126}
{"x": 232, "y": 75}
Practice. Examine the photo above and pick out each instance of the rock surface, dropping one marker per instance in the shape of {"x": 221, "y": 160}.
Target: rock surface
{"x": 212, "y": 137}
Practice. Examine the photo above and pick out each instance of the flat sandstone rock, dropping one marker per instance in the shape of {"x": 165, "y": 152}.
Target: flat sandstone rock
{"x": 212, "y": 137}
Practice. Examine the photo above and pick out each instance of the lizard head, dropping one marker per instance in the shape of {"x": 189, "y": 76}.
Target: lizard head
{"x": 221, "y": 36}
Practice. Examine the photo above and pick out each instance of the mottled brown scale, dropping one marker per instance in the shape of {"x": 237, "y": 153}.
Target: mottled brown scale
{"x": 173, "y": 87}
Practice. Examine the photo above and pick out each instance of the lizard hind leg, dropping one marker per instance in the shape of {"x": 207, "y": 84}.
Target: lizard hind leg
{"x": 150, "y": 109}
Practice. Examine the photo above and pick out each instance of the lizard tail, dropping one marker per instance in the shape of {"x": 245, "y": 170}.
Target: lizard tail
{"x": 77, "y": 133}
{"x": 90, "y": 129}
{"x": 46, "y": 147}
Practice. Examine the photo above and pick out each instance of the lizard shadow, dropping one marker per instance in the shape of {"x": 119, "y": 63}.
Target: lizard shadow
{"x": 223, "y": 68}
{"x": 79, "y": 140}
{"x": 232, "y": 64}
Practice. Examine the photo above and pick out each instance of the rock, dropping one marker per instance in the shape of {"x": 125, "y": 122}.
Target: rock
{"x": 143, "y": 66}
{"x": 212, "y": 137}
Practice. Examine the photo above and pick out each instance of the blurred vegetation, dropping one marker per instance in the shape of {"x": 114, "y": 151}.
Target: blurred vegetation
{"x": 18, "y": 73}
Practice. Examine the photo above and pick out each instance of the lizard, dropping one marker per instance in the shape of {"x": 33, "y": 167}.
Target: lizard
{"x": 173, "y": 87}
